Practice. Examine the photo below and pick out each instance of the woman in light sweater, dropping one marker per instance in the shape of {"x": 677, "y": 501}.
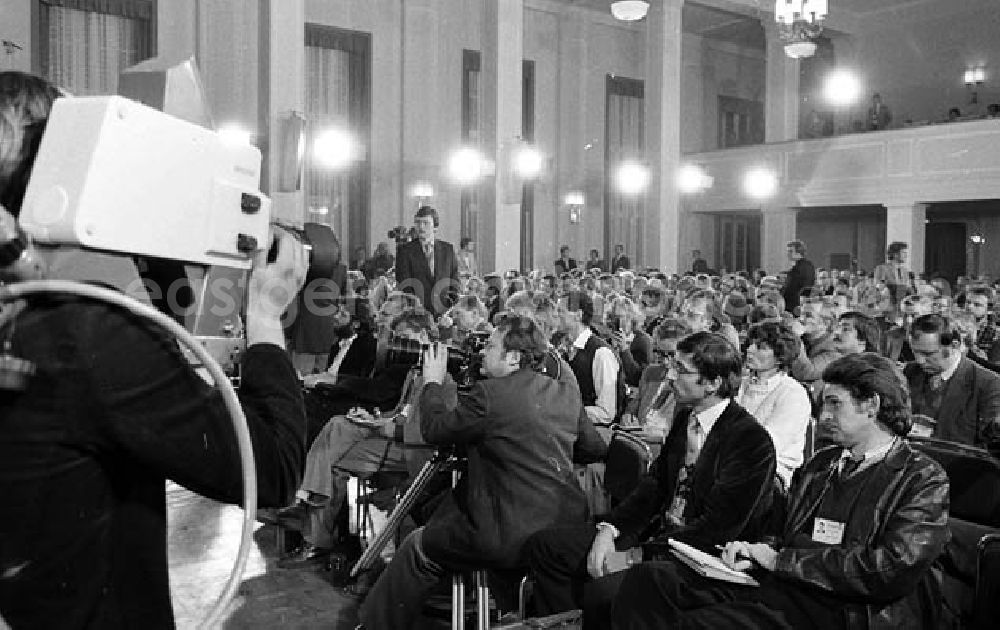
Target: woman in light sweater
{"x": 777, "y": 400}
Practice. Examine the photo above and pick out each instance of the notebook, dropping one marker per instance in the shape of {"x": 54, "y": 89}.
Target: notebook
{"x": 707, "y": 565}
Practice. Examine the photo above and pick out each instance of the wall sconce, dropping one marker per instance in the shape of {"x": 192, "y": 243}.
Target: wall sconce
{"x": 422, "y": 191}
{"x": 974, "y": 78}
{"x": 575, "y": 200}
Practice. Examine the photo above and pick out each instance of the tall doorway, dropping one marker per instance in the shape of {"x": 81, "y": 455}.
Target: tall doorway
{"x": 945, "y": 250}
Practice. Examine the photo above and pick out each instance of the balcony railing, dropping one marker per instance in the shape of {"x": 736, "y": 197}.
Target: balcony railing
{"x": 935, "y": 163}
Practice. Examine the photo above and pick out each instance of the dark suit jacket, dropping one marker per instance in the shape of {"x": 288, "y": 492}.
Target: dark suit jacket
{"x": 621, "y": 262}
{"x": 732, "y": 489}
{"x": 563, "y": 267}
{"x": 970, "y": 407}
{"x": 518, "y": 433}
{"x": 802, "y": 275}
{"x": 436, "y": 291}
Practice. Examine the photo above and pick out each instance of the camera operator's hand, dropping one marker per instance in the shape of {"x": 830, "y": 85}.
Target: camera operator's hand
{"x": 435, "y": 363}
{"x": 273, "y": 287}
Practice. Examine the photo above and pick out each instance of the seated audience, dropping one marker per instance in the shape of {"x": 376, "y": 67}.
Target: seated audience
{"x": 712, "y": 482}
{"x": 818, "y": 351}
{"x": 778, "y": 402}
{"x": 628, "y": 338}
{"x": 517, "y": 428}
{"x": 655, "y": 405}
{"x": 360, "y": 442}
{"x": 353, "y": 351}
{"x": 866, "y": 520}
{"x": 961, "y": 397}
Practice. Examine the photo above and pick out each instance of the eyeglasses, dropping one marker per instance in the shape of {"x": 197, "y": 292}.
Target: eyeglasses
{"x": 692, "y": 314}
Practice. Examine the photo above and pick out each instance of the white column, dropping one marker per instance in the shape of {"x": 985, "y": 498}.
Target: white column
{"x": 781, "y": 107}
{"x": 503, "y": 34}
{"x": 421, "y": 152}
{"x": 778, "y": 227}
{"x": 906, "y": 222}
{"x": 571, "y": 119}
{"x": 282, "y": 50}
{"x": 663, "y": 139}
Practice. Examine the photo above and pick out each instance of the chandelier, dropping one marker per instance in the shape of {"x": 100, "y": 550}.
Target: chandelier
{"x": 629, "y": 10}
{"x": 799, "y": 23}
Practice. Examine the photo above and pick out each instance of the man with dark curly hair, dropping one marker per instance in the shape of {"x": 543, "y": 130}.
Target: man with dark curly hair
{"x": 866, "y": 519}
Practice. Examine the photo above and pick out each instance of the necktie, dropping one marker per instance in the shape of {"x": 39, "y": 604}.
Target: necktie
{"x": 936, "y": 382}
{"x": 429, "y": 253}
{"x": 675, "y": 514}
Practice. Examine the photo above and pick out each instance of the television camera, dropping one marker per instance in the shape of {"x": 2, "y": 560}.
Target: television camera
{"x": 465, "y": 362}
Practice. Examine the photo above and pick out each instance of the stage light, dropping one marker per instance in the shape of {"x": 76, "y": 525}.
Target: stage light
{"x": 574, "y": 198}
{"x": 692, "y": 179}
{"x": 528, "y": 162}
{"x": 841, "y": 88}
{"x": 334, "y": 148}
{"x": 235, "y": 134}
{"x": 466, "y": 166}
{"x": 632, "y": 178}
{"x": 760, "y": 183}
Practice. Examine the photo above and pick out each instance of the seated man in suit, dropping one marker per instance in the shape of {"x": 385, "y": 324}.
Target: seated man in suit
{"x": 712, "y": 482}
{"x": 565, "y": 263}
{"x": 961, "y": 397}
{"x": 353, "y": 352}
{"x": 426, "y": 266}
{"x": 358, "y": 443}
{"x": 866, "y": 520}
{"x": 517, "y": 428}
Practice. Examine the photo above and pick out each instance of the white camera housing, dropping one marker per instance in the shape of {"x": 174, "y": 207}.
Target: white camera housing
{"x": 113, "y": 174}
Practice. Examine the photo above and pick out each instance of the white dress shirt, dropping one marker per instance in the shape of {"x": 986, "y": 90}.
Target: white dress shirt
{"x": 605, "y": 374}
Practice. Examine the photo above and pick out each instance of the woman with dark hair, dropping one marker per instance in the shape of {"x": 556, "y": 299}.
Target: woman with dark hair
{"x": 866, "y": 519}
{"x": 780, "y": 404}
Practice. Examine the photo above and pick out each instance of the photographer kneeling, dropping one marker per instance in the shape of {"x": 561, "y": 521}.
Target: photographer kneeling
{"x": 112, "y": 411}
{"x": 516, "y": 428}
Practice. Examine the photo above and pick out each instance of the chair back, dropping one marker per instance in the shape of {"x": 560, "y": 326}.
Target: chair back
{"x": 629, "y": 458}
{"x": 974, "y": 477}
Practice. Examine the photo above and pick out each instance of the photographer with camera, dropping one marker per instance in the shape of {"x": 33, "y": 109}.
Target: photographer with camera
{"x": 112, "y": 411}
{"x": 427, "y": 266}
{"x": 360, "y": 442}
{"x": 517, "y": 428}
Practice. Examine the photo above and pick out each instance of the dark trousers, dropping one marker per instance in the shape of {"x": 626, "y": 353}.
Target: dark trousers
{"x": 657, "y": 595}
{"x": 397, "y": 599}
{"x": 558, "y": 561}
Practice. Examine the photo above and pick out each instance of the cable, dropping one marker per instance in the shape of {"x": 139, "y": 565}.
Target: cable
{"x": 15, "y": 291}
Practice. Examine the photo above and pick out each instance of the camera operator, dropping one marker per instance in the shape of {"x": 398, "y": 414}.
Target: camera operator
{"x": 517, "y": 428}
{"x": 112, "y": 411}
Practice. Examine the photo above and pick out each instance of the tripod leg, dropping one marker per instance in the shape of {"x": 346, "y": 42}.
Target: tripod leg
{"x": 374, "y": 549}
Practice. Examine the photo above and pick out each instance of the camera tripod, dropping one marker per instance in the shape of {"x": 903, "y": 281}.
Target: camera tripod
{"x": 442, "y": 460}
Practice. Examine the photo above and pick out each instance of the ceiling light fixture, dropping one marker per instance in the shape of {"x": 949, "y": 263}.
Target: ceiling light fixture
{"x": 629, "y": 10}
{"x": 800, "y": 22}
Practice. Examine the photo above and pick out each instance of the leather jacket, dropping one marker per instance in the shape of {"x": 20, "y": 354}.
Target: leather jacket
{"x": 883, "y": 571}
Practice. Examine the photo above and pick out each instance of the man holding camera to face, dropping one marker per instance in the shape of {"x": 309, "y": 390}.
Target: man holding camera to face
{"x": 516, "y": 429}
{"x": 113, "y": 410}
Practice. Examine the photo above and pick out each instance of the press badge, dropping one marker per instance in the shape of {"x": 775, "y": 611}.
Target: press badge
{"x": 827, "y": 532}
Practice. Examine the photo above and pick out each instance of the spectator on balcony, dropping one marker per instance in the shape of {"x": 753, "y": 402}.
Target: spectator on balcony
{"x": 879, "y": 116}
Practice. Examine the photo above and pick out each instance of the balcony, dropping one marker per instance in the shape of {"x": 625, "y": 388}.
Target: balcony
{"x": 934, "y": 163}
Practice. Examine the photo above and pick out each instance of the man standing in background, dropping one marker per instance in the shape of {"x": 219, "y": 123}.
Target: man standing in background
{"x": 426, "y": 266}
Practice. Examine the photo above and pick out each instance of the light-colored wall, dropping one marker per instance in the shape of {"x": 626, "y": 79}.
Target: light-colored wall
{"x": 15, "y": 26}
{"x": 863, "y": 237}
{"x": 916, "y": 59}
